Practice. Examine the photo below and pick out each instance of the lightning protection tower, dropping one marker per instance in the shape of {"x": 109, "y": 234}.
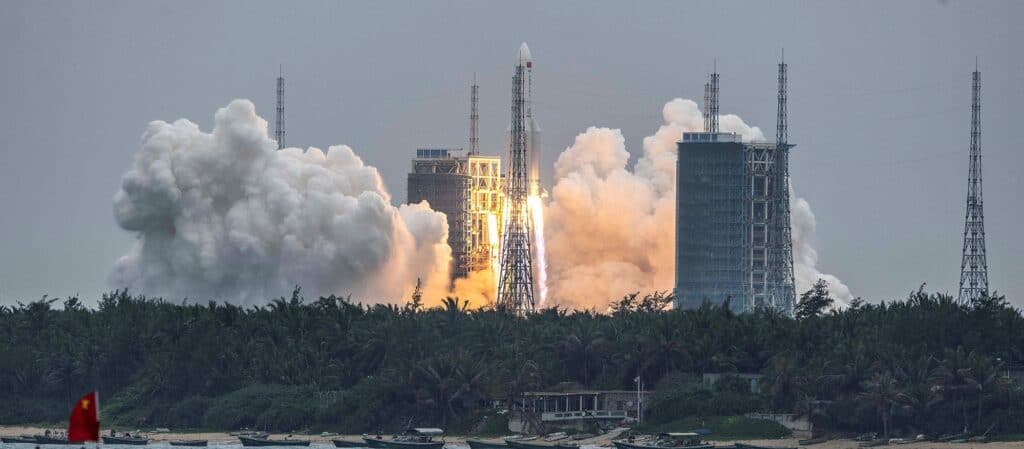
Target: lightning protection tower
{"x": 279, "y": 128}
{"x": 781, "y": 289}
{"x": 515, "y": 285}
{"x": 973, "y": 265}
{"x": 474, "y": 118}
{"x": 711, "y": 103}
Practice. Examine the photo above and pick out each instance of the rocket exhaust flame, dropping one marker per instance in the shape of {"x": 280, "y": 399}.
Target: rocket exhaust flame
{"x": 494, "y": 243}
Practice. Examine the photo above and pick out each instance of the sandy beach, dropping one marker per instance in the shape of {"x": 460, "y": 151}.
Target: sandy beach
{"x": 599, "y": 441}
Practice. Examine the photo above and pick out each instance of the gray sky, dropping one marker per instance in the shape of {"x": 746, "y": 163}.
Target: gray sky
{"x": 879, "y": 107}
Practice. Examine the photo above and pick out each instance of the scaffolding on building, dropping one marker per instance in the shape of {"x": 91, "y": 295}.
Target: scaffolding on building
{"x": 438, "y": 178}
{"x": 732, "y": 216}
{"x": 468, "y": 190}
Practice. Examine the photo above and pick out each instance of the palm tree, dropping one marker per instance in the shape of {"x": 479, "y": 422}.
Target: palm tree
{"x": 920, "y": 394}
{"x": 882, "y": 394}
{"x": 986, "y": 374}
{"x": 954, "y": 376}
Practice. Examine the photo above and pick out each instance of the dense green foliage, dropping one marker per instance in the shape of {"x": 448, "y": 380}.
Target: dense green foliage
{"x": 926, "y": 364}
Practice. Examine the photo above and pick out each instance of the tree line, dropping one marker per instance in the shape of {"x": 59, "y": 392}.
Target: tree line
{"x": 926, "y": 364}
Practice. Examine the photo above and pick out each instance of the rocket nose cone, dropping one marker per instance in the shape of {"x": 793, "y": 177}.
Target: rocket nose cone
{"x": 523, "y": 55}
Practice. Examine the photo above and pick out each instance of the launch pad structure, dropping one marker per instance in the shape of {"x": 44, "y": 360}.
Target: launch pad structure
{"x": 467, "y": 188}
{"x": 515, "y": 279}
{"x": 733, "y": 237}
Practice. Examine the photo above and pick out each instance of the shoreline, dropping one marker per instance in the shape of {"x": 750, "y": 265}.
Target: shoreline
{"x": 598, "y": 441}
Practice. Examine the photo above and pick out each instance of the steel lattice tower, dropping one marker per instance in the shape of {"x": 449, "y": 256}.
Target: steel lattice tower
{"x": 279, "y": 129}
{"x": 515, "y": 285}
{"x": 711, "y": 104}
{"x": 474, "y": 118}
{"x": 782, "y": 292}
{"x": 973, "y": 265}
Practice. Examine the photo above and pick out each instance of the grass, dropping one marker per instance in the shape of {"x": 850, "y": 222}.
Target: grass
{"x": 722, "y": 427}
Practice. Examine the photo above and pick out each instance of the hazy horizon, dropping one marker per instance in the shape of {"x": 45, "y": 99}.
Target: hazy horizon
{"x": 879, "y": 108}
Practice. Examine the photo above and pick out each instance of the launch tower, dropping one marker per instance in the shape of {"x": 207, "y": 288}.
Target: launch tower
{"x": 732, "y": 215}
{"x": 515, "y": 282}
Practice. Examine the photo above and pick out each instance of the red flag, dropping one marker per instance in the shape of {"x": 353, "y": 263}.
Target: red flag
{"x": 84, "y": 424}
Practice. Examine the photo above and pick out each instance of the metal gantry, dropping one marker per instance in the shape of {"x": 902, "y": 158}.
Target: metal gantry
{"x": 733, "y": 236}
{"x": 781, "y": 288}
{"x": 279, "y": 128}
{"x": 515, "y": 285}
{"x": 973, "y": 264}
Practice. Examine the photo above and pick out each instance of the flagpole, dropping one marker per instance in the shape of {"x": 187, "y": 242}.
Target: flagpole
{"x": 638, "y": 399}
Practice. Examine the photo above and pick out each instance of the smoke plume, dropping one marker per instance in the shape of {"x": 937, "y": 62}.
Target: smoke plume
{"x": 611, "y": 230}
{"x": 226, "y": 216}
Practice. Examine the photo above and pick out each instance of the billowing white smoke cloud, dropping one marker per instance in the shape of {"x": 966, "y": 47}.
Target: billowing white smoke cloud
{"x": 610, "y": 230}
{"x": 805, "y": 258}
{"x": 226, "y": 216}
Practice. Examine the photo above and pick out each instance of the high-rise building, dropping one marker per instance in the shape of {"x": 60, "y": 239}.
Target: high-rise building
{"x": 732, "y": 223}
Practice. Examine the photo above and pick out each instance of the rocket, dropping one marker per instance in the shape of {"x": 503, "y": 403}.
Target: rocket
{"x": 533, "y": 142}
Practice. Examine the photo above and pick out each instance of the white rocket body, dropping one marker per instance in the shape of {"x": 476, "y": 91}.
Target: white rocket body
{"x": 533, "y": 140}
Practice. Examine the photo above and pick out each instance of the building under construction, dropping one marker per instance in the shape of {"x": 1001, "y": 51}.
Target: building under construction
{"x": 733, "y": 238}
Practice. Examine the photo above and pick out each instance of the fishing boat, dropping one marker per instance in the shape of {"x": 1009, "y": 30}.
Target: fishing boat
{"x": 346, "y": 443}
{"x": 129, "y": 440}
{"x": 812, "y": 441}
{"x": 376, "y": 442}
{"x": 907, "y": 440}
{"x": 755, "y": 446}
{"x": 267, "y": 442}
{"x": 672, "y": 440}
{"x": 950, "y": 437}
{"x": 864, "y": 437}
{"x": 481, "y": 444}
{"x": 567, "y": 445}
{"x": 189, "y": 443}
{"x": 47, "y": 439}
{"x": 418, "y": 438}
{"x": 528, "y": 444}
{"x": 19, "y": 439}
